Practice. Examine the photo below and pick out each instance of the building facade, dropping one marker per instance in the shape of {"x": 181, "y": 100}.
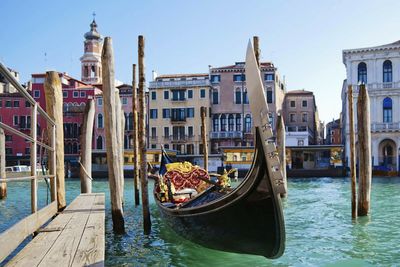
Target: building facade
{"x": 333, "y": 133}
{"x": 379, "y": 69}
{"x": 231, "y": 119}
{"x": 174, "y": 112}
{"x": 301, "y": 119}
{"x": 5, "y": 86}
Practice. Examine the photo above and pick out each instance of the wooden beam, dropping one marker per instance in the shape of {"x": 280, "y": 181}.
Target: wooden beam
{"x": 135, "y": 138}
{"x": 86, "y": 147}
{"x": 34, "y": 159}
{"x": 142, "y": 138}
{"x": 364, "y": 143}
{"x": 54, "y": 107}
{"x": 110, "y": 119}
{"x": 352, "y": 153}
{"x": 3, "y": 184}
{"x": 12, "y": 237}
{"x": 204, "y": 136}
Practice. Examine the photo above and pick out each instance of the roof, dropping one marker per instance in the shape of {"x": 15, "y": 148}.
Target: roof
{"x": 299, "y": 92}
{"x": 164, "y": 76}
{"x": 393, "y": 45}
{"x": 240, "y": 65}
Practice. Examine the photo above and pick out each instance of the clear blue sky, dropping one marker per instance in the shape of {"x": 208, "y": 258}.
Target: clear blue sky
{"x": 304, "y": 39}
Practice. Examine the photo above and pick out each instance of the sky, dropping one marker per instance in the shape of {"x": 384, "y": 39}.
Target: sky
{"x": 303, "y": 38}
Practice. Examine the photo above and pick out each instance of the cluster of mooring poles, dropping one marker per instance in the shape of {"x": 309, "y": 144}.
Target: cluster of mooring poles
{"x": 364, "y": 152}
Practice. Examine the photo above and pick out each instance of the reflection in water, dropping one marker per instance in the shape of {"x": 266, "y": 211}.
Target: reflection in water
{"x": 318, "y": 224}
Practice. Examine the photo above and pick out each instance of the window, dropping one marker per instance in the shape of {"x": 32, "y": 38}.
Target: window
{"x": 304, "y": 103}
{"x": 36, "y": 93}
{"x": 190, "y": 112}
{"x": 387, "y": 110}
{"x": 99, "y": 142}
{"x": 300, "y": 142}
{"x": 8, "y": 104}
{"x": 231, "y": 123}
{"x": 292, "y": 104}
{"x": 304, "y": 117}
{"x": 16, "y": 104}
{"x": 215, "y": 123}
{"x": 203, "y": 93}
{"x": 153, "y": 95}
{"x": 269, "y": 77}
{"x": 153, "y": 132}
{"x": 247, "y": 123}
{"x": 238, "y": 96}
{"x": 1, "y": 103}
{"x": 166, "y": 146}
{"x": 190, "y": 94}
{"x": 166, "y": 94}
{"x": 100, "y": 101}
{"x": 292, "y": 117}
{"x": 223, "y": 122}
{"x": 269, "y": 95}
{"x": 8, "y": 138}
{"x": 239, "y": 77}
{"x": 190, "y": 131}
{"x": 245, "y": 98}
{"x": 215, "y": 78}
{"x": 178, "y": 114}
{"x": 215, "y": 97}
{"x": 83, "y": 94}
{"x": 166, "y": 113}
{"x": 362, "y": 73}
{"x": 75, "y": 94}
{"x": 124, "y": 101}
{"x": 153, "y": 113}
{"x": 9, "y": 151}
{"x": 238, "y": 122}
{"x": 15, "y": 120}
{"x": 100, "y": 120}
{"x": 178, "y": 95}
{"x": 166, "y": 132}
{"x": 387, "y": 71}
{"x": 27, "y": 150}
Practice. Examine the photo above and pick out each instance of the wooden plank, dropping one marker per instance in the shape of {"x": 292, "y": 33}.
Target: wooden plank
{"x": 12, "y": 237}
{"x": 91, "y": 247}
{"x": 64, "y": 248}
{"x": 3, "y": 184}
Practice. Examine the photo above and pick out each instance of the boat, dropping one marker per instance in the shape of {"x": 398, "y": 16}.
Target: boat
{"x": 19, "y": 171}
{"x": 249, "y": 218}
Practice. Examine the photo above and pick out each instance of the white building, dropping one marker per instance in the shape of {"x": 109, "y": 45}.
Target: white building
{"x": 379, "y": 68}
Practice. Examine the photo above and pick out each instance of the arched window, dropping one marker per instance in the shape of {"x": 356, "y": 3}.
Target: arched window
{"x": 247, "y": 123}
{"x": 387, "y": 109}
{"x": 245, "y": 97}
{"x": 238, "y": 96}
{"x": 100, "y": 120}
{"x": 215, "y": 123}
{"x": 238, "y": 122}
{"x": 130, "y": 121}
{"x": 75, "y": 148}
{"x": 75, "y": 131}
{"x": 387, "y": 71}
{"x": 223, "y": 123}
{"x": 126, "y": 121}
{"x": 362, "y": 73}
{"x": 231, "y": 123}
{"x": 99, "y": 142}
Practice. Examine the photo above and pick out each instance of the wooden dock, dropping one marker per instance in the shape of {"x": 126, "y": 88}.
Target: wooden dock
{"x": 76, "y": 237}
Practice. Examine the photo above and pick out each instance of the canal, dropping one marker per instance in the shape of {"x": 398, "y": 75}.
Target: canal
{"x": 319, "y": 229}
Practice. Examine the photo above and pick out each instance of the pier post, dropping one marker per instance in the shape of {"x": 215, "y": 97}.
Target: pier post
{"x": 352, "y": 154}
{"x": 364, "y": 143}
{"x": 54, "y": 107}
{"x": 120, "y": 140}
{"x": 281, "y": 143}
{"x": 110, "y": 119}
{"x": 86, "y": 148}
{"x": 34, "y": 158}
{"x": 142, "y": 138}
{"x": 204, "y": 136}
{"x": 256, "y": 47}
{"x": 135, "y": 138}
{"x": 3, "y": 185}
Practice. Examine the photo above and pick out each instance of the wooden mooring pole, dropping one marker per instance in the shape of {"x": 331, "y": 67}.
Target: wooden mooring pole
{"x": 281, "y": 143}
{"x": 54, "y": 107}
{"x": 110, "y": 119}
{"x": 256, "y": 46}
{"x": 352, "y": 153}
{"x": 3, "y": 185}
{"x": 86, "y": 148}
{"x": 120, "y": 141}
{"x": 204, "y": 136}
{"x": 142, "y": 138}
{"x": 135, "y": 138}
{"x": 364, "y": 145}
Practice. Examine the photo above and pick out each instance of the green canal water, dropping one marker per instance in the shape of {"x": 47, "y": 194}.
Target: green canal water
{"x": 319, "y": 229}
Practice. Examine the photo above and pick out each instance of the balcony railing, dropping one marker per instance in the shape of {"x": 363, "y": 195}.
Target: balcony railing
{"x": 230, "y": 134}
{"x": 378, "y": 86}
{"x": 178, "y": 119}
{"x": 385, "y": 127}
{"x": 175, "y": 84}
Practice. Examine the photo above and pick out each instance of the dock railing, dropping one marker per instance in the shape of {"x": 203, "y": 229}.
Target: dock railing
{"x": 13, "y": 237}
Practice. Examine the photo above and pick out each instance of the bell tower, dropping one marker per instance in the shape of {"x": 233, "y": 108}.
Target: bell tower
{"x": 91, "y": 59}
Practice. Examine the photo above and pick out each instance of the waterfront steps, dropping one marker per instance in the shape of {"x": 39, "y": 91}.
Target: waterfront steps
{"x": 76, "y": 237}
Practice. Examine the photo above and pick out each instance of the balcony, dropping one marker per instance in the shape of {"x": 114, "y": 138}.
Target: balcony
{"x": 385, "y": 127}
{"x": 378, "y": 86}
{"x": 178, "y": 84}
{"x": 225, "y": 135}
{"x": 178, "y": 119}
{"x": 178, "y": 138}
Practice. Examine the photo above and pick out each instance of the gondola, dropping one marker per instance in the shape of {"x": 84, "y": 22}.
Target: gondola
{"x": 249, "y": 218}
